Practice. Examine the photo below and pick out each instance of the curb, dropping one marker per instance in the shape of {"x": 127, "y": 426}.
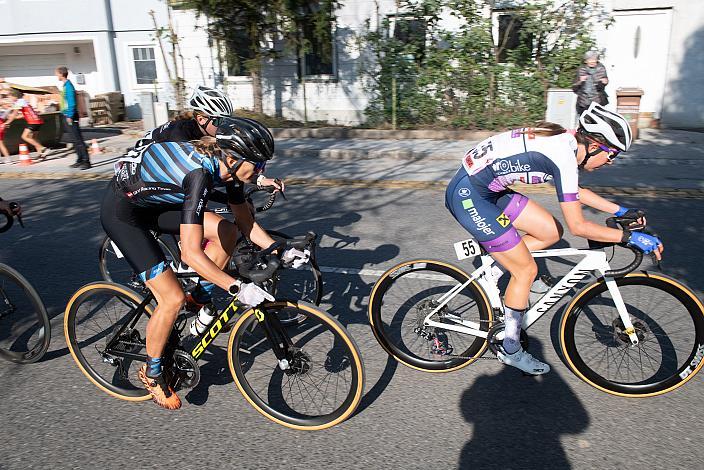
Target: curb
{"x": 644, "y": 193}
{"x": 348, "y": 133}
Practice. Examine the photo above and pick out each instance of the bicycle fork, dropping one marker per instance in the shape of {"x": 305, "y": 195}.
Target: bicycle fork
{"x": 629, "y": 329}
{"x": 281, "y": 344}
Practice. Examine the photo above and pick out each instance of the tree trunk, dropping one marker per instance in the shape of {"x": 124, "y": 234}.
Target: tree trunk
{"x": 257, "y": 91}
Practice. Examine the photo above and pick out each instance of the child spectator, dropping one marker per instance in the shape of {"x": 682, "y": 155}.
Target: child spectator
{"x": 34, "y": 122}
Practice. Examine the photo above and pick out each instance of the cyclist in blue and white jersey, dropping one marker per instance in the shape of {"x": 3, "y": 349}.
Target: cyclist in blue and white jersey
{"x": 166, "y": 187}
{"x": 479, "y": 198}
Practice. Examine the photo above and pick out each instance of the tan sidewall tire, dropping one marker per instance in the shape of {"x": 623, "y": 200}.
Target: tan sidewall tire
{"x": 99, "y": 285}
{"x": 382, "y": 343}
{"x": 342, "y": 333}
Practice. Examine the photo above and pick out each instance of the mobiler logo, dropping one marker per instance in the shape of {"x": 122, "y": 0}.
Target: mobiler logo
{"x": 479, "y": 221}
{"x": 504, "y": 167}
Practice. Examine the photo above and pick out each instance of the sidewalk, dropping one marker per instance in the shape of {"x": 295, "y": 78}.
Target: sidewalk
{"x": 661, "y": 162}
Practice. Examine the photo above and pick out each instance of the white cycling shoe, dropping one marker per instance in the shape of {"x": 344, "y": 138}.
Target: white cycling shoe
{"x": 524, "y": 361}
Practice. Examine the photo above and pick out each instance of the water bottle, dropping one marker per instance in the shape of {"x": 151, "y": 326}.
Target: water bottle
{"x": 203, "y": 320}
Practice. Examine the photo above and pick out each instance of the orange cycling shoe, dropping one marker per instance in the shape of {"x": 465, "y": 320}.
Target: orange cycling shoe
{"x": 162, "y": 394}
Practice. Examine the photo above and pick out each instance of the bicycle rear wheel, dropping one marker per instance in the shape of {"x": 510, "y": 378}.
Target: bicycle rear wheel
{"x": 321, "y": 383}
{"x": 668, "y": 319}
{"x": 402, "y": 298}
{"x": 94, "y": 315}
{"x": 25, "y": 331}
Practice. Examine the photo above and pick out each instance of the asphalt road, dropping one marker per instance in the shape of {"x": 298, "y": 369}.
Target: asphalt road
{"x": 484, "y": 416}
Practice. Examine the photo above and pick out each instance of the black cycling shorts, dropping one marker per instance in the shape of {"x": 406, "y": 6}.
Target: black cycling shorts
{"x": 33, "y": 127}
{"x": 129, "y": 225}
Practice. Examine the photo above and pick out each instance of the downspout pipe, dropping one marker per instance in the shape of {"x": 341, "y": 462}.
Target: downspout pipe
{"x": 111, "y": 43}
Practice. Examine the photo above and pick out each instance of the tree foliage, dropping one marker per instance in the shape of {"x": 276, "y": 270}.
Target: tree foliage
{"x": 468, "y": 76}
{"x": 264, "y": 23}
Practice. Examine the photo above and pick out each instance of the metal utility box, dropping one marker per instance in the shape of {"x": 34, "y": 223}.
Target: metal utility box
{"x": 561, "y": 107}
{"x": 146, "y": 103}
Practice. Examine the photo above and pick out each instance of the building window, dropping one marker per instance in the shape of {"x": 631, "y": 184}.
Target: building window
{"x": 144, "y": 65}
{"x": 319, "y": 58}
{"x": 239, "y": 51}
{"x": 411, "y": 31}
{"x": 510, "y": 36}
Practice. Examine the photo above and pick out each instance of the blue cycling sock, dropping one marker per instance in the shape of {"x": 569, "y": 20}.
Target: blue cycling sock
{"x": 513, "y": 319}
{"x": 203, "y": 293}
{"x": 153, "y": 366}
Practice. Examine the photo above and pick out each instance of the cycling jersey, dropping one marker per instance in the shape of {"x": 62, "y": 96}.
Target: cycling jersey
{"x": 28, "y": 112}
{"x": 172, "y": 174}
{"x": 182, "y": 130}
{"x": 478, "y": 195}
{"x": 518, "y": 155}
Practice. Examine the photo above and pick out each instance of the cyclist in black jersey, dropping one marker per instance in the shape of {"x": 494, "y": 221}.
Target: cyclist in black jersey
{"x": 166, "y": 187}
{"x": 209, "y": 106}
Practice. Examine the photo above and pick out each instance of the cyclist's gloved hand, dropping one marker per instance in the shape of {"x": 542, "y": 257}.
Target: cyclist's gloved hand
{"x": 251, "y": 294}
{"x": 644, "y": 242}
{"x": 638, "y": 215}
{"x": 295, "y": 258}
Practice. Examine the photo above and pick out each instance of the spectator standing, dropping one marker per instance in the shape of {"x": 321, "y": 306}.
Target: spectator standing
{"x": 34, "y": 123}
{"x": 70, "y": 112}
{"x": 590, "y": 82}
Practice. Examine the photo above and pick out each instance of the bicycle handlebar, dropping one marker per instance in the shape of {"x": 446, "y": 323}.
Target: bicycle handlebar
{"x": 627, "y": 223}
{"x": 261, "y": 265}
{"x": 10, "y": 218}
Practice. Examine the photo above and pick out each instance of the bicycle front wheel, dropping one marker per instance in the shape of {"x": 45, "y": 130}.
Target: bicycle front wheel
{"x": 107, "y": 339}
{"x": 668, "y": 319}
{"x": 407, "y": 293}
{"x": 25, "y": 331}
{"x": 321, "y": 381}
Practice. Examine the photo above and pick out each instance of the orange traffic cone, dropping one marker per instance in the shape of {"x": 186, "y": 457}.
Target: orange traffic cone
{"x": 24, "y": 155}
{"x": 95, "y": 148}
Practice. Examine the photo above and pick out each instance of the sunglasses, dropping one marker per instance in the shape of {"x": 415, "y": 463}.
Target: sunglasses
{"x": 259, "y": 167}
{"x": 611, "y": 153}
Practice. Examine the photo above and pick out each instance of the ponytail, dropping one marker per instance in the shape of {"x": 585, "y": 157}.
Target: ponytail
{"x": 544, "y": 129}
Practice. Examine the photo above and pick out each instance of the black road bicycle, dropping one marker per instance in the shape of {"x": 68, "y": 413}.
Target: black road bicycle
{"x": 308, "y": 375}
{"x": 305, "y": 283}
{"x": 25, "y": 331}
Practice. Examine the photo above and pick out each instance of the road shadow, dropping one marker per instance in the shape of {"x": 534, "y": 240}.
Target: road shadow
{"x": 518, "y": 421}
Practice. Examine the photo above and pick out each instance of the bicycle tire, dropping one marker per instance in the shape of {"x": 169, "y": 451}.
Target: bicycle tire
{"x": 391, "y": 337}
{"x": 114, "y": 268}
{"x": 249, "y": 351}
{"x": 112, "y": 378}
{"x": 654, "y": 335}
{"x": 25, "y": 330}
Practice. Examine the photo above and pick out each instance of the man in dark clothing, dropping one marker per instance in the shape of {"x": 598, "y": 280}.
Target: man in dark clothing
{"x": 590, "y": 82}
{"x": 70, "y": 112}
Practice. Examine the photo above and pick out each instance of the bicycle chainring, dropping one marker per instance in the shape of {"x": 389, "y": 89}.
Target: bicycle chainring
{"x": 495, "y": 338}
{"x": 185, "y": 372}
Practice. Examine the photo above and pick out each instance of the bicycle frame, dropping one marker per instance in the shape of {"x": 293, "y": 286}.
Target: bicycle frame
{"x": 593, "y": 261}
{"x": 197, "y": 349}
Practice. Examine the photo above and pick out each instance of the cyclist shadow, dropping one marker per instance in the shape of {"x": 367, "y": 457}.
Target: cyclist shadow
{"x": 524, "y": 425}
{"x": 214, "y": 372}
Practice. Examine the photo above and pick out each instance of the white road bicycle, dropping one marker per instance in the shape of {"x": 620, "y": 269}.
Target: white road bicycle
{"x": 628, "y": 333}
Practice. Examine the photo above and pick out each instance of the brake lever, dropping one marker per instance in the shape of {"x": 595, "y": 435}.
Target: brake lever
{"x": 13, "y": 207}
{"x": 278, "y": 181}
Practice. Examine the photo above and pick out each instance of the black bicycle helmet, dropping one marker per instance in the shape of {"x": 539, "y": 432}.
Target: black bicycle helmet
{"x": 249, "y": 139}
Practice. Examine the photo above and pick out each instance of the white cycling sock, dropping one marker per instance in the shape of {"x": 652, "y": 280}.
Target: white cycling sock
{"x": 513, "y": 319}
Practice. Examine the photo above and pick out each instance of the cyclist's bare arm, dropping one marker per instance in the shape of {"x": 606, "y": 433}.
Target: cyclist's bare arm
{"x": 579, "y": 226}
{"x": 591, "y": 199}
{"x": 249, "y": 227}
{"x": 193, "y": 255}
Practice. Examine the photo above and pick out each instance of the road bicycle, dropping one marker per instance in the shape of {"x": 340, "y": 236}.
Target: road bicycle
{"x": 25, "y": 331}
{"x": 308, "y": 375}
{"x": 628, "y": 333}
{"x": 304, "y": 283}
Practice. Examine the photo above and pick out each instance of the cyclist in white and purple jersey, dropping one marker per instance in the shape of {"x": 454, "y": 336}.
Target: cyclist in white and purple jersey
{"x": 480, "y": 199}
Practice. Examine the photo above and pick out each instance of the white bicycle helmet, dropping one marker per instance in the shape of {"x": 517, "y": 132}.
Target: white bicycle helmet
{"x": 606, "y": 126}
{"x": 210, "y": 102}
